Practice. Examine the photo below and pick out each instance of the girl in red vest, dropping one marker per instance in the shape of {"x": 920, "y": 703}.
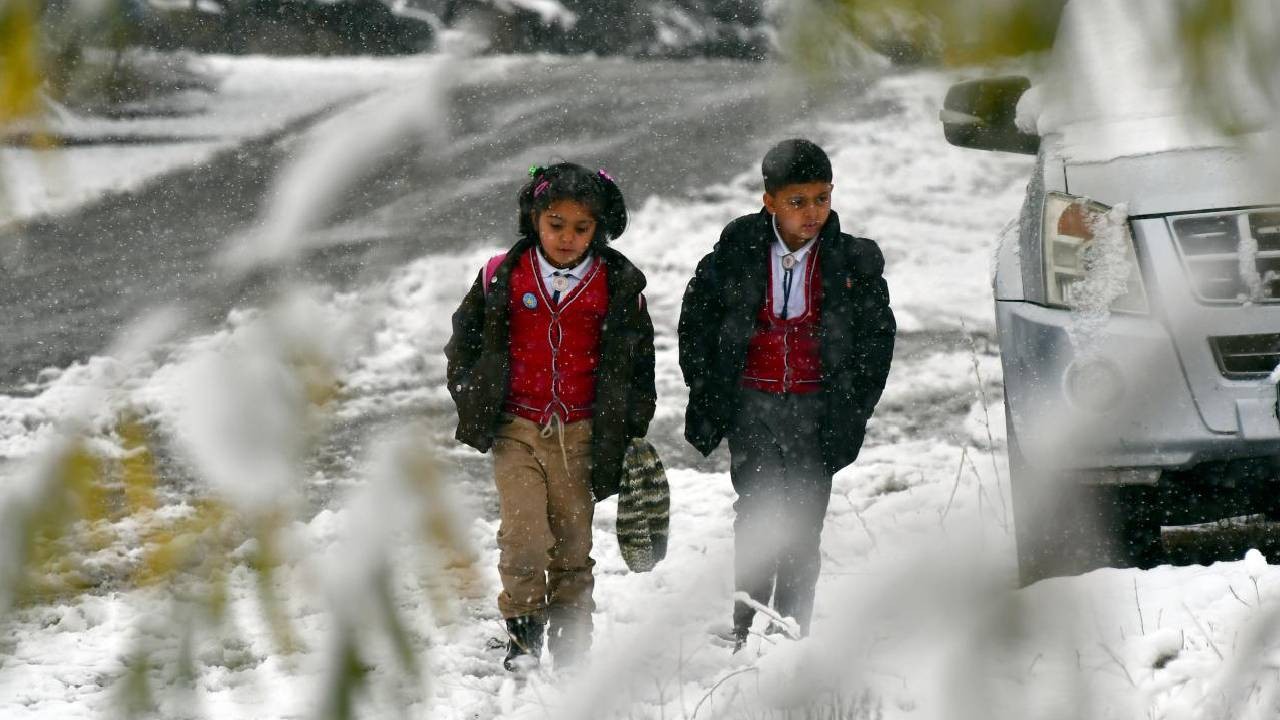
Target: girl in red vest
{"x": 551, "y": 367}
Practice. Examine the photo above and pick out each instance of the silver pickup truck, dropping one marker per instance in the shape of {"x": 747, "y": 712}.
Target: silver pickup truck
{"x": 1137, "y": 303}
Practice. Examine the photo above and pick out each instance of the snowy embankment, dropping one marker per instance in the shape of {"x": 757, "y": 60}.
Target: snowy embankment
{"x": 915, "y": 613}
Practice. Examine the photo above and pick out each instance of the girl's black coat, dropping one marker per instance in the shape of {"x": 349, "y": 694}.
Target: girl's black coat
{"x": 718, "y": 318}
{"x": 479, "y": 370}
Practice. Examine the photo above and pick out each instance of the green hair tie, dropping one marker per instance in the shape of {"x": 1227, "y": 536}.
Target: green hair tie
{"x": 533, "y": 170}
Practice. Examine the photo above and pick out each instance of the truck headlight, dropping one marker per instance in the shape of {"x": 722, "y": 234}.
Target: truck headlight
{"x": 1089, "y": 258}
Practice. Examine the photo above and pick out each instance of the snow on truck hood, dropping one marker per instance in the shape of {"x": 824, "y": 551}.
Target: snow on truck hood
{"x": 1187, "y": 180}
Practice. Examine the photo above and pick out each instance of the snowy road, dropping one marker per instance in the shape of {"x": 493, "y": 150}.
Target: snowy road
{"x": 915, "y": 616}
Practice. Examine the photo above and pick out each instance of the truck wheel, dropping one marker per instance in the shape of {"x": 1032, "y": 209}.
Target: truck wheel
{"x": 1067, "y": 529}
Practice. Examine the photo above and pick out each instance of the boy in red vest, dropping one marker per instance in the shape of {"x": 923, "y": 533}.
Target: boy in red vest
{"x": 785, "y": 341}
{"x": 536, "y": 377}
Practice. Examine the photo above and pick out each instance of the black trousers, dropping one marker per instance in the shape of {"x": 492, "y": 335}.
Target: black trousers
{"x": 783, "y": 490}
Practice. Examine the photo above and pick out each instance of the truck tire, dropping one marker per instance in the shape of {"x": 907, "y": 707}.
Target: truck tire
{"x": 1062, "y": 527}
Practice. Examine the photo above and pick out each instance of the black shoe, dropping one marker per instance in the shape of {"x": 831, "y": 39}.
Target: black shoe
{"x": 524, "y": 643}
{"x": 568, "y": 637}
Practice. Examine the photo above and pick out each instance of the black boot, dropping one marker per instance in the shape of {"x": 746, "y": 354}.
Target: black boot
{"x": 524, "y": 639}
{"x": 568, "y": 636}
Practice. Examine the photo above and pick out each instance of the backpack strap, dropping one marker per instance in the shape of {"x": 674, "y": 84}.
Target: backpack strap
{"x": 491, "y": 269}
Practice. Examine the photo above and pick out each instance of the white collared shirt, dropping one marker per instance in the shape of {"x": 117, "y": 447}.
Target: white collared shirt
{"x": 574, "y": 274}
{"x": 796, "y": 300}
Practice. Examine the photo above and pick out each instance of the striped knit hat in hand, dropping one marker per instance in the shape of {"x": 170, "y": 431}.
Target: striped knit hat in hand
{"x": 644, "y": 507}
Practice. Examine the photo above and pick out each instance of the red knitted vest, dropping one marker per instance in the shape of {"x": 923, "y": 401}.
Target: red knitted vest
{"x": 785, "y": 356}
{"x": 554, "y": 349}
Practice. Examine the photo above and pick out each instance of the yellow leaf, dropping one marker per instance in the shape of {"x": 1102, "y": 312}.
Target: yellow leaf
{"x": 138, "y": 467}
{"x": 20, "y": 72}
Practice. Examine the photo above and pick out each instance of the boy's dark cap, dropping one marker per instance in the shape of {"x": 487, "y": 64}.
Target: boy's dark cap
{"x": 792, "y": 162}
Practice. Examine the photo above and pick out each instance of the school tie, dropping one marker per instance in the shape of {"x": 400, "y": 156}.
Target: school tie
{"x": 788, "y": 267}
{"x": 559, "y": 282}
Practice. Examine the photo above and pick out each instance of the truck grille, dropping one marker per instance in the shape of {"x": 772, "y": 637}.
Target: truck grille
{"x": 1247, "y": 356}
{"x": 1232, "y": 257}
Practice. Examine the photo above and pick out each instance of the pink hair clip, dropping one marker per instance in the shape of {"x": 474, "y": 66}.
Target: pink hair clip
{"x": 607, "y": 176}
{"x": 541, "y": 188}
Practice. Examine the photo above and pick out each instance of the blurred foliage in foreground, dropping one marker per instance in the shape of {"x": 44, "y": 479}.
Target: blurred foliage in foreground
{"x": 1227, "y": 49}
{"x": 74, "y": 54}
{"x": 86, "y": 501}
{"x": 970, "y": 32}
{"x": 952, "y": 32}
{"x": 115, "y": 505}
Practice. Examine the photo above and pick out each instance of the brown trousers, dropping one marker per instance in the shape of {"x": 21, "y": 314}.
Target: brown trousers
{"x": 546, "y": 508}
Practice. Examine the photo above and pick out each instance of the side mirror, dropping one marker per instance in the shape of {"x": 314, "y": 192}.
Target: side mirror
{"x": 980, "y": 114}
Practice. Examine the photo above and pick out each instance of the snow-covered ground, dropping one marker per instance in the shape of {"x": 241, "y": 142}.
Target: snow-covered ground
{"x": 916, "y": 613}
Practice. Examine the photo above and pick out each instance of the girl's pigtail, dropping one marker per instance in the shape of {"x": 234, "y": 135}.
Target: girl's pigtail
{"x": 614, "y": 210}
{"x": 525, "y": 199}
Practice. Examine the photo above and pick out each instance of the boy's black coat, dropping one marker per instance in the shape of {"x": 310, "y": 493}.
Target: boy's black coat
{"x": 479, "y": 370}
{"x": 718, "y": 318}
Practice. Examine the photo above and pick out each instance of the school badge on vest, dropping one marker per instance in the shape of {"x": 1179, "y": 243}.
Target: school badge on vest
{"x": 530, "y": 301}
